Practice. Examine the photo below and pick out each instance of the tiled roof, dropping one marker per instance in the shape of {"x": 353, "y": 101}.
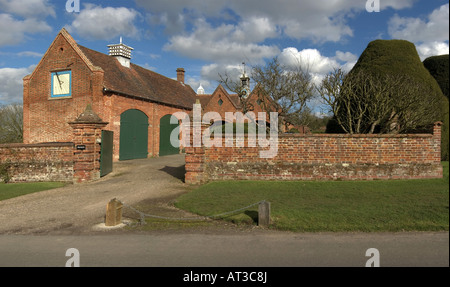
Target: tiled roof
{"x": 204, "y": 99}
{"x": 141, "y": 83}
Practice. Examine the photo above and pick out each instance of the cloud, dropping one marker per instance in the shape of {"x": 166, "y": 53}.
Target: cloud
{"x": 96, "y": 22}
{"x": 314, "y": 62}
{"x": 434, "y": 28}
{"x": 431, "y": 35}
{"x": 300, "y": 19}
{"x": 11, "y": 84}
{"x": 225, "y": 43}
{"x": 30, "y": 54}
{"x": 426, "y": 50}
{"x": 14, "y": 31}
{"x": 28, "y": 8}
{"x": 225, "y": 33}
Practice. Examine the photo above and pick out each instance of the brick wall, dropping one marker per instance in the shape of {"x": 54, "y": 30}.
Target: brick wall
{"x": 322, "y": 156}
{"x": 45, "y": 118}
{"x": 38, "y": 162}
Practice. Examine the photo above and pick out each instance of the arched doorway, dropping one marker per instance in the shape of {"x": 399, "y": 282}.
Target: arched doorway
{"x": 165, "y": 130}
{"x": 133, "y": 135}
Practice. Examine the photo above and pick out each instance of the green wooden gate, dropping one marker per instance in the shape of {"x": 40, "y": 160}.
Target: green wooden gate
{"x": 133, "y": 135}
{"x": 106, "y": 153}
{"x": 165, "y": 130}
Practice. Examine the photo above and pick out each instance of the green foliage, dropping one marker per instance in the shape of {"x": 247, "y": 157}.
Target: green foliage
{"x": 333, "y": 127}
{"x": 399, "y": 58}
{"x": 4, "y": 174}
{"x": 12, "y": 190}
{"x": 438, "y": 66}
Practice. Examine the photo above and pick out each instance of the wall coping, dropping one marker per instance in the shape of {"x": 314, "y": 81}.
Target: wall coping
{"x": 22, "y": 145}
{"x": 358, "y": 135}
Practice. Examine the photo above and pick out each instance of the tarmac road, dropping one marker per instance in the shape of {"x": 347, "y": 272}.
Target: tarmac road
{"x": 258, "y": 249}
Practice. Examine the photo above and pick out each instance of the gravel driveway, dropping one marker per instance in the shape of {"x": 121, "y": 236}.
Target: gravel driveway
{"x": 76, "y": 208}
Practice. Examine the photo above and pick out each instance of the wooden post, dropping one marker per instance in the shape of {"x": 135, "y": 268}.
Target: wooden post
{"x": 113, "y": 213}
{"x": 264, "y": 214}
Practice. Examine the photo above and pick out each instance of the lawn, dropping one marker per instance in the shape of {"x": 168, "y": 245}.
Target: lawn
{"x": 11, "y": 190}
{"x": 313, "y": 206}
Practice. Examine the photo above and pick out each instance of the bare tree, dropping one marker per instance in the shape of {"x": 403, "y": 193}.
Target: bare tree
{"x": 11, "y": 123}
{"x": 286, "y": 90}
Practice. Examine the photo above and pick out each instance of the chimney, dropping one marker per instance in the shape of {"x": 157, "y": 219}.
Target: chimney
{"x": 121, "y": 52}
{"x": 180, "y": 75}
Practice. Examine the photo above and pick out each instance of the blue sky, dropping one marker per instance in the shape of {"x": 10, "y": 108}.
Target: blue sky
{"x": 208, "y": 37}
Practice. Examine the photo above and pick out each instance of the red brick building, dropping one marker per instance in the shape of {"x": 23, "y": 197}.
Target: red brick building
{"x": 135, "y": 102}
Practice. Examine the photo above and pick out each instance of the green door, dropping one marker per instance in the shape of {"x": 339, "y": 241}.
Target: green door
{"x": 106, "y": 154}
{"x": 133, "y": 135}
{"x": 165, "y": 130}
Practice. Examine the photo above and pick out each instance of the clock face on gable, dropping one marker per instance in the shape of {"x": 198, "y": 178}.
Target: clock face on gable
{"x": 245, "y": 93}
{"x": 61, "y": 84}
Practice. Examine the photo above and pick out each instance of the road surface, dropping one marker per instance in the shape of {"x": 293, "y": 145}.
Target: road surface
{"x": 256, "y": 249}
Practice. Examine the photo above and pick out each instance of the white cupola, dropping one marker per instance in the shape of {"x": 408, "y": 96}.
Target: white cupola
{"x": 121, "y": 52}
{"x": 200, "y": 90}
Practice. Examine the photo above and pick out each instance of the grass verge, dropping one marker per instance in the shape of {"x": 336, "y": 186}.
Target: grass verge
{"x": 313, "y": 206}
{"x": 11, "y": 190}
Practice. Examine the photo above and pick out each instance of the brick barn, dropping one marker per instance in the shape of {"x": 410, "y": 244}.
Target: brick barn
{"x": 135, "y": 102}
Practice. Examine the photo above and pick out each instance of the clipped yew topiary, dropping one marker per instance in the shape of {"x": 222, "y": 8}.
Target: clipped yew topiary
{"x": 389, "y": 90}
{"x": 438, "y": 66}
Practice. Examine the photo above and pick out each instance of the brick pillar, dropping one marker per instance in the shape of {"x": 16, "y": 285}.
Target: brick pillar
{"x": 87, "y": 134}
{"x": 195, "y": 156}
{"x": 437, "y": 140}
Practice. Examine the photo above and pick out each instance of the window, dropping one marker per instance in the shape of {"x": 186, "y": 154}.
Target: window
{"x": 61, "y": 84}
{"x": 220, "y": 102}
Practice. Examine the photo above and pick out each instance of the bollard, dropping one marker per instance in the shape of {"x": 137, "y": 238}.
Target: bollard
{"x": 264, "y": 214}
{"x": 113, "y": 213}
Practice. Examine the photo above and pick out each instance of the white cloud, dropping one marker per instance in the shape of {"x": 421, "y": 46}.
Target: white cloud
{"x": 225, "y": 33}
{"x": 14, "y": 31}
{"x": 30, "y": 54}
{"x": 429, "y": 49}
{"x": 430, "y": 35}
{"x": 28, "y": 8}
{"x": 96, "y": 22}
{"x": 11, "y": 84}
{"x": 434, "y": 28}
{"x": 313, "y": 61}
{"x": 225, "y": 43}
{"x": 320, "y": 21}
{"x": 19, "y": 18}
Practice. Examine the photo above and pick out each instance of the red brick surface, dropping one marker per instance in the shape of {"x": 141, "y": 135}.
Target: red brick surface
{"x": 40, "y": 162}
{"x": 322, "y": 156}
